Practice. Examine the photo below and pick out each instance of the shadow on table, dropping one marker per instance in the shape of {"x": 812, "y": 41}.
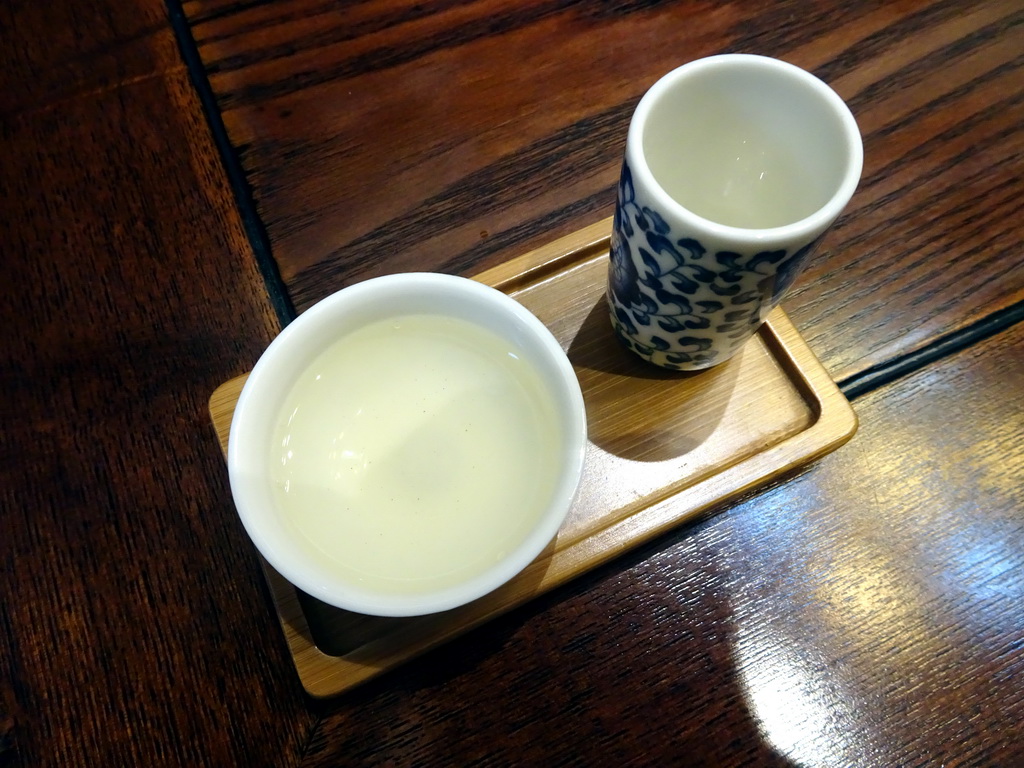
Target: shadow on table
{"x": 595, "y": 673}
{"x": 638, "y": 411}
{"x": 375, "y": 640}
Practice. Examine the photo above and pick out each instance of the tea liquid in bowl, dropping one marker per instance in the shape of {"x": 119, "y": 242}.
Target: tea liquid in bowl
{"x": 415, "y": 452}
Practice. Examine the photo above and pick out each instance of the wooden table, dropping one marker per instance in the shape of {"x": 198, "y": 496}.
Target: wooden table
{"x": 177, "y": 181}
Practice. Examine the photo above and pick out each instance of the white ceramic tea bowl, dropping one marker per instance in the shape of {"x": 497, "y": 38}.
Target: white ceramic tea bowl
{"x": 407, "y": 445}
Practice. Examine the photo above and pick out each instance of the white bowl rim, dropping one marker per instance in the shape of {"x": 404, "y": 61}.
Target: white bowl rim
{"x": 264, "y": 382}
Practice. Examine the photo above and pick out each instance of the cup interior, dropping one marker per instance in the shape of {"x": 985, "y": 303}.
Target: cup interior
{"x": 749, "y": 142}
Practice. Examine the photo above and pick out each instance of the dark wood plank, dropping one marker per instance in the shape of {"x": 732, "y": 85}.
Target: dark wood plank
{"x": 390, "y": 135}
{"x": 134, "y": 628}
{"x": 869, "y": 612}
{"x": 55, "y": 51}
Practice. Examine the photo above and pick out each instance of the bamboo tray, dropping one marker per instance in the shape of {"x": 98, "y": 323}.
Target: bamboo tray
{"x": 664, "y": 447}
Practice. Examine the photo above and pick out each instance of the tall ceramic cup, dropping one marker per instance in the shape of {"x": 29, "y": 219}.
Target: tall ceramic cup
{"x": 735, "y": 167}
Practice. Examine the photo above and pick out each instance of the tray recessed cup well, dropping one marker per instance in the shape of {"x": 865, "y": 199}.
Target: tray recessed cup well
{"x": 407, "y": 445}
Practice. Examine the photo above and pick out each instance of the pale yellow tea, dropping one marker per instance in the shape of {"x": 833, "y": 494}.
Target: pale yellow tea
{"x": 415, "y": 453}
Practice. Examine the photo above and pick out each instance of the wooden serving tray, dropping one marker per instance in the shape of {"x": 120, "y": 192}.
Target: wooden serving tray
{"x": 664, "y": 447}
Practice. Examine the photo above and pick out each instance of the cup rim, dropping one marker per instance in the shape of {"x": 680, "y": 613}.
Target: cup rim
{"x": 806, "y": 228}
{"x": 267, "y": 385}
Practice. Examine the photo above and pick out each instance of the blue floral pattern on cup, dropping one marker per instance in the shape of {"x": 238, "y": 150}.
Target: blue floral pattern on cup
{"x": 678, "y": 305}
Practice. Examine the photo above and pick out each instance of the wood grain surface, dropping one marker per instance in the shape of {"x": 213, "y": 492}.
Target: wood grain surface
{"x": 866, "y": 612}
{"x": 133, "y": 627}
{"x": 869, "y": 612}
{"x": 389, "y": 135}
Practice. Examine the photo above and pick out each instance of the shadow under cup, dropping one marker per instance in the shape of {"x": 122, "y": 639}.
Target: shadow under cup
{"x": 735, "y": 167}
